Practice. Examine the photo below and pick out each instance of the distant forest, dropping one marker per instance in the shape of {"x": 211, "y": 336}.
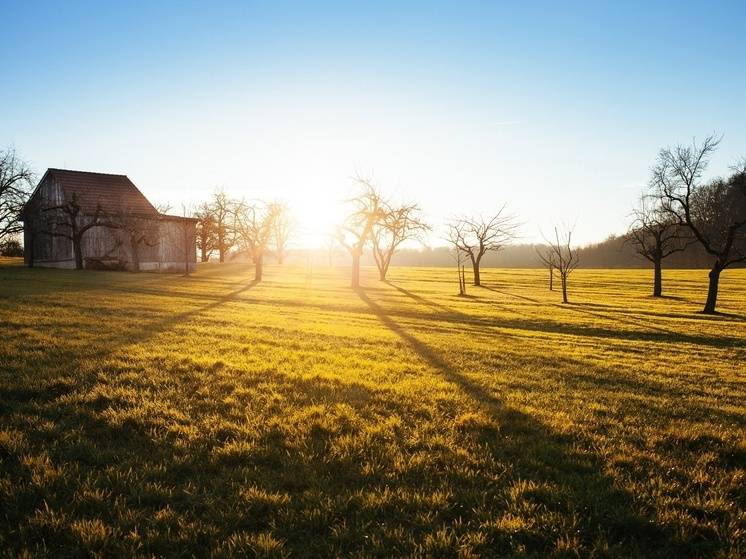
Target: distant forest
{"x": 613, "y": 252}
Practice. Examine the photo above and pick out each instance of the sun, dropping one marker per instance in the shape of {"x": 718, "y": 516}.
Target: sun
{"x": 316, "y": 220}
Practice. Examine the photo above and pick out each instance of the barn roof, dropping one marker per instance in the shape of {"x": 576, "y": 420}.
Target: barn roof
{"x": 109, "y": 192}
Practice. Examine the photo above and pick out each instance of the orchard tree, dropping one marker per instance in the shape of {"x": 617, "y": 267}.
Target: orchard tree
{"x": 16, "y": 183}
{"x": 254, "y": 227}
{"x": 68, "y": 220}
{"x": 224, "y": 211}
{"x": 714, "y": 212}
{"x": 454, "y": 238}
{"x": 138, "y": 231}
{"x": 207, "y": 237}
{"x": 565, "y": 257}
{"x": 368, "y": 208}
{"x": 395, "y": 226}
{"x": 547, "y": 258}
{"x": 656, "y": 235}
{"x": 282, "y": 229}
{"x": 476, "y": 236}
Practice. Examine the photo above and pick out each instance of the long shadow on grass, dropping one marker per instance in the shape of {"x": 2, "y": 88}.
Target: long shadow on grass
{"x": 442, "y": 308}
{"x": 536, "y": 453}
{"x": 528, "y": 324}
{"x": 122, "y": 329}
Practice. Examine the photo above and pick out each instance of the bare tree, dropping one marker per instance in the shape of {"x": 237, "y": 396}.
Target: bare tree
{"x": 395, "y": 226}
{"x": 282, "y": 228}
{"x": 714, "y": 213}
{"x": 254, "y": 226}
{"x": 68, "y": 220}
{"x": 184, "y": 234}
{"x": 207, "y": 232}
{"x": 454, "y": 237}
{"x": 16, "y": 183}
{"x": 547, "y": 258}
{"x": 477, "y": 236}
{"x": 224, "y": 211}
{"x": 368, "y": 209}
{"x": 655, "y": 235}
{"x": 565, "y": 257}
{"x": 139, "y": 231}
{"x": 163, "y": 207}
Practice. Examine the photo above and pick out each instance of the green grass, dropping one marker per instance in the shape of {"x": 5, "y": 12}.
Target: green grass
{"x": 157, "y": 415}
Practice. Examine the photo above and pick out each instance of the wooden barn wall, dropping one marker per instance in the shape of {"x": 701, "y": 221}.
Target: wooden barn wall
{"x": 102, "y": 243}
{"x": 45, "y": 246}
{"x": 174, "y": 234}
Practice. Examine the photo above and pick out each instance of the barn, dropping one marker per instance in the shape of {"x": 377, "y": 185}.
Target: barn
{"x": 79, "y": 219}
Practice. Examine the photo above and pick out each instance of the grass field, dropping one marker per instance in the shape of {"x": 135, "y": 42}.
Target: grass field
{"x": 159, "y": 415}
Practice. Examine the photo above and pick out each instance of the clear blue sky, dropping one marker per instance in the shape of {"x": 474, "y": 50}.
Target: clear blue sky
{"x": 557, "y": 108}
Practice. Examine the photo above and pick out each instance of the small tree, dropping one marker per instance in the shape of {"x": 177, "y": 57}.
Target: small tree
{"x": 395, "y": 226}
{"x": 368, "y": 209}
{"x": 477, "y": 236}
{"x": 225, "y": 213}
{"x": 282, "y": 228}
{"x": 655, "y": 235}
{"x": 254, "y": 226}
{"x": 715, "y": 213}
{"x": 69, "y": 221}
{"x": 565, "y": 257}
{"x": 206, "y": 231}
{"x": 184, "y": 234}
{"x": 454, "y": 237}
{"x": 16, "y": 182}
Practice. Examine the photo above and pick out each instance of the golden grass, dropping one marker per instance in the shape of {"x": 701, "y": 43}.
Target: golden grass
{"x": 210, "y": 416}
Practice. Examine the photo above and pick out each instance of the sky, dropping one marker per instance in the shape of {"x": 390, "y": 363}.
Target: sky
{"x": 556, "y": 109}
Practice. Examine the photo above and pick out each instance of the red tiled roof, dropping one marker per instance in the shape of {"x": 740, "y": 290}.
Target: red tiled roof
{"x": 109, "y": 192}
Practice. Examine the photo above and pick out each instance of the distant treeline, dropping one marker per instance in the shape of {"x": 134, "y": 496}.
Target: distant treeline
{"x": 613, "y": 252}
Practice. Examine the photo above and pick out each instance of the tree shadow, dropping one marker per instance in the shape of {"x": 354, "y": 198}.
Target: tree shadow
{"x": 540, "y": 455}
{"x": 449, "y": 311}
{"x": 698, "y": 315}
{"x": 509, "y": 294}
{"x": 318, "y": 502}
{"x": 494, "y": 324}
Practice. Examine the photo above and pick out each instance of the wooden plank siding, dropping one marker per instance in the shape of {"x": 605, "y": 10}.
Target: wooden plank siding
{"x": 102, "y": 246}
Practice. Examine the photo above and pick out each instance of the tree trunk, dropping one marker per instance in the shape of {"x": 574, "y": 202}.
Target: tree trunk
{"x": 77, "y": 251}
{"x": 475, "y": 267}
{"x": 712, "y": 290}
{"x": 657, "y": 280}
{"x": 259, "y": 268}
{"x": 564, "y": 288}
{"x": 383, "y": 268}
{"x": 551, "y": 278}
{"x": 355, "y": 270}
{"x": 205, "y": 258}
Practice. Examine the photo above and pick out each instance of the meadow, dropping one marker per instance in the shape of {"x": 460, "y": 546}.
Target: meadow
{"x": 211, "y": 416}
